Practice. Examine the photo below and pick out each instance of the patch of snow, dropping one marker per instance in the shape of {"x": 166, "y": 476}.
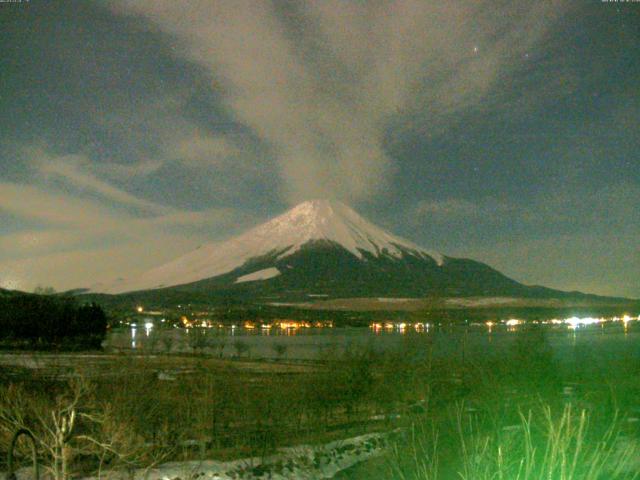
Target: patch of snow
{"x": 289, "y": 304}
{"x": 24, "y": 360}
{"x": 166, "y": 376}
{"x": 315, "y": 220}
{"x": 480, "y": 302}
{"x": 393, "y": 300}
{"x": 303, "y": 462}
{"x": 259, "y": 275}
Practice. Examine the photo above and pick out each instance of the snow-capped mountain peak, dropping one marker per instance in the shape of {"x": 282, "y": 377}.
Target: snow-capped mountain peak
{"x": 314, "y": 220}
{"x": 334, "y": 221}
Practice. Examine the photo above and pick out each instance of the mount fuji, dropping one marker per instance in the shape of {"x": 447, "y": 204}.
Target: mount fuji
{"x": 321, "y": 248}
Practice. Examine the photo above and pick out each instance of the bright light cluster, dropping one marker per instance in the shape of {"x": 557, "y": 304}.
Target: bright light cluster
{"x": 253, "y": 325}
{"x": 571, "y": 322}
{"x": 401, "y": 327}
{"x": 577, "y": 322}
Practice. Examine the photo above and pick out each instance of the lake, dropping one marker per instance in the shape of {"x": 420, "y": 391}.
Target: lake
{"x": 602, "y": 340}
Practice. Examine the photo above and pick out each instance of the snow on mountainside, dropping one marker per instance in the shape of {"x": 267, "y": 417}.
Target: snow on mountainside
{"x": 284, "y": 235}
{"x": 259, "y": 275}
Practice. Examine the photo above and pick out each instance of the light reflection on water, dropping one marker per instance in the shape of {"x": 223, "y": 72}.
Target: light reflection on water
{"x": 133, "y": 337}
{"x": 608, "y": 339}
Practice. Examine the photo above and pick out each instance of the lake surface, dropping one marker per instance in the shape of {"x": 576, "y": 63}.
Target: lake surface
{"x": 600, "y": 342}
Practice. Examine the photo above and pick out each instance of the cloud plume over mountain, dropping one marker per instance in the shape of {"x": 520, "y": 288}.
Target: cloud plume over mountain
{"x": 323, "y": 83}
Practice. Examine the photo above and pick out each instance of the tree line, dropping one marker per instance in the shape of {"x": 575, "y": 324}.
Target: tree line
{"x": 51, "y": 321}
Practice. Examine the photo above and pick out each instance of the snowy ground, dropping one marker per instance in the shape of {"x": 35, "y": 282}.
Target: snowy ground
{"x": 303, "y": 462}
{"x": 480, "y": 302}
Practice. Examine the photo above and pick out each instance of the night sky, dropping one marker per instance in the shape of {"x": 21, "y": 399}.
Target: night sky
{"x": 132, "y": 131}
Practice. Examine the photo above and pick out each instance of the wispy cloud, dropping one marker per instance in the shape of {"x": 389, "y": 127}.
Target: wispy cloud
{"x": 118, "y": 171}
{"x": 75, "y": 169}
{"x": 321, "y": 81}
{"x": 200, "y": 149}
{"x": 166, "y": 135}
{"x": 54, "y": 208}
{"x": 85, "y": 267}
{"x": 76, "y": 230}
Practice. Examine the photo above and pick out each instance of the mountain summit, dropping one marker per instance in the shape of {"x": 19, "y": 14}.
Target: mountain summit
{"x": 332, "y": 221}
{"x": 320, "y": 248}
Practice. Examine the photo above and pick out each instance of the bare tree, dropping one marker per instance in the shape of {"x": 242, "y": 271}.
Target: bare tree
{"x": 73, "y": 425}
{"x": 51, "y": 426}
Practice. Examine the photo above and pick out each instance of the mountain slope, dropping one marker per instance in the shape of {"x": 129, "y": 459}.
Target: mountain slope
{"x": 318, "y": 220}
{"x": 320, "y": 248}
{"x": 323, "y": 268}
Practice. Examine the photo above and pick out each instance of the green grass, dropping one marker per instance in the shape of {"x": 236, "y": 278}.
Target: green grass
{"x": 545, "y": 443}
{"x": 525, "y": 417}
